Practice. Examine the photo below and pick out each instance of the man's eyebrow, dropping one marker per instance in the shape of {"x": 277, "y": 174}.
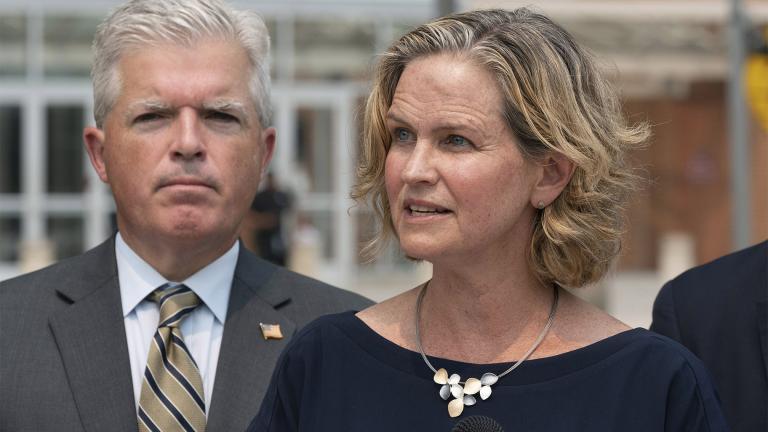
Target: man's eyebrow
{"x": 225, "y": 105}
{"x": 228, "y": 105}
{"x": 149, "y": 104}
{"x": 146, "y": 105}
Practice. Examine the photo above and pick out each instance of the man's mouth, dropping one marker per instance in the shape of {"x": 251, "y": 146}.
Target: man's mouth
{"x": 189, "y": 182}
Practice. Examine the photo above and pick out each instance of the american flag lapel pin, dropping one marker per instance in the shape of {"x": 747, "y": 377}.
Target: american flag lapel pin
{"x": 271, "y": 331}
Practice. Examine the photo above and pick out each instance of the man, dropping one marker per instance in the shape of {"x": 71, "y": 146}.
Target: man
{"x": 135, "y": 332}
{"x": 720, "y": 312}
{"x": 267, "y": 211}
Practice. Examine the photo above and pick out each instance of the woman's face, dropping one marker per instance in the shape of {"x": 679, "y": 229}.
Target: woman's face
{"x": 457, "y": 184}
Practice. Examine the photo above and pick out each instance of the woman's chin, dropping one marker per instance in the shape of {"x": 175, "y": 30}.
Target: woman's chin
{"x": 423, "y": 252}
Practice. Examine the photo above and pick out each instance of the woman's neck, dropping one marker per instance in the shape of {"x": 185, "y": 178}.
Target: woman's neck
{"x": 483, "y": 315}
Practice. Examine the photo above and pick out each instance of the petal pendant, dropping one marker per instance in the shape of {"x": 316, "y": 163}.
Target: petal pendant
{"x": 454, "y": 379}
{"x": 457, "y": 391}
{"x": 469, "y": 400}
{"x": 485, "y": 392}
{"x": 472, "y": 386}
{"x": 445, "y": 391}
{"x": 489, "y": 379}
{"x": 455, "y": 407}
{"x": 441, "y": 376}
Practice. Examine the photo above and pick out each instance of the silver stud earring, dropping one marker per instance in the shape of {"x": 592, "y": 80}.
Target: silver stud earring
{"x": 540, "y": 205}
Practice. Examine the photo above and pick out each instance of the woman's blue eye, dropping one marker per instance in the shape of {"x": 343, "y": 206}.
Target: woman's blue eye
{"x": 457, "y": 140}
{"x": 402, "y": 135}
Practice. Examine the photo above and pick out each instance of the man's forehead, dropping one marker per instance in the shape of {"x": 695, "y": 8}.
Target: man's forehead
{"x": 215, "y": 64}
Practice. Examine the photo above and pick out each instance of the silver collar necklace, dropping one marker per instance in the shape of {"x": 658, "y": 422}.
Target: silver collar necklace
{"x": 464, "y": 392}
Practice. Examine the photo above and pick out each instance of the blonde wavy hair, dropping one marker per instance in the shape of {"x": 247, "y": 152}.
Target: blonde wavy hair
{"x": 555, "y": 100}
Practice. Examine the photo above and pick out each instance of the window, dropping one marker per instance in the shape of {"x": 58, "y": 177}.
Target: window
{"x": 66, "y": 233}
{"x": 10, "y": 149}
{"x": 13, "y": 47}
{"x": 334, "y": 51}
{"x": 67, "y": 45}
{"x": 315, "y": 148}
{"x": 10, "y": 230}
{"x": 65, "y": 148}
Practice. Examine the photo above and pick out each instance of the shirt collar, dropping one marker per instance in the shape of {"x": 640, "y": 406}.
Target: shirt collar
{"x": 138, "y": 279}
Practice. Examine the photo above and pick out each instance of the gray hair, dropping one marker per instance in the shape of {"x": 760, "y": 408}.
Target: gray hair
{"x": 180, "y": 22}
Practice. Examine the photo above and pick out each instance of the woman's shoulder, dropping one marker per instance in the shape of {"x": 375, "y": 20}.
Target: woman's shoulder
{"x": 387, "y": 318}
{"x": 371, "y": 329}
{"x": 584, "y": 328}
{"x": 323, "y": 329}
{"x": 578, "y": 324}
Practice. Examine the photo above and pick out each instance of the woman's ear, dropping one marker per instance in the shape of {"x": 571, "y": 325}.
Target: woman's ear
{"x": 556, "y": 172}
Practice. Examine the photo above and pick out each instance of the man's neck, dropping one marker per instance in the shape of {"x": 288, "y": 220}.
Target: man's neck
{"x": 178, "y": 260}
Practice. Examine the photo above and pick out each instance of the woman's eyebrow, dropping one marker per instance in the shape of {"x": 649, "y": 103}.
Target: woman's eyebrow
{"x": 394, "y": 117}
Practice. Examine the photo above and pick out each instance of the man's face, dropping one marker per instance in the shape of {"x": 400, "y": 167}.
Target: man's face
{"x": 182, "y": 147}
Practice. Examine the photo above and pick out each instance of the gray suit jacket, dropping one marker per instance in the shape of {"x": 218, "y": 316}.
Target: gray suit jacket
{"x": 64, "y": 357}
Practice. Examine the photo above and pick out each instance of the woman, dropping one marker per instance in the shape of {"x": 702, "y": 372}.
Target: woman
{"x": 493, "y": 149}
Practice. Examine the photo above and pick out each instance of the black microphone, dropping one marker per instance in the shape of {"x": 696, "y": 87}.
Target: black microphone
{"x": 477, "y": 423}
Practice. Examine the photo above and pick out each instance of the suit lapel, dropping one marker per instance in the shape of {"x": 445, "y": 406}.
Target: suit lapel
{"x": 246, "y": 360}
{"x": 761, "y": 288}
{"x": 762, "y": 324}
{"x": 91, "y": 338}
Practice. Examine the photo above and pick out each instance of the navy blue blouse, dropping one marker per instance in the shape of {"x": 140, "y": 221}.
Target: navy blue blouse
{"x": 337, "y": 374}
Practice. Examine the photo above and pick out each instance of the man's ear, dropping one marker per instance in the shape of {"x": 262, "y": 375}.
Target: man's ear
{"x": 268, "y": 137}
{"x": 94, "y": 145}
{"x": 556, "y": 172}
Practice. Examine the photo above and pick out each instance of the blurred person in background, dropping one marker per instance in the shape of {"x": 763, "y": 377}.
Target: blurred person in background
{"x": 131, "y": 334}
{"x": 494, "y": 149}
{"x": 267, "y": 212}
{"x": 720, "y": 312}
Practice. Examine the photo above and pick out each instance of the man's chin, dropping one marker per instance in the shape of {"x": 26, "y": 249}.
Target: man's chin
{"x": 196, "y": 229}
{"x": 192, "y": 230}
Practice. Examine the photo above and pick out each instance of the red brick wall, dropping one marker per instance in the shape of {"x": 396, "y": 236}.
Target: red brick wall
{"x": 688, "y": 173}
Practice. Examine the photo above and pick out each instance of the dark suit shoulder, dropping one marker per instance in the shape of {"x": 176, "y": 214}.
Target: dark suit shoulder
{"x": 737, "y": 273}
{"x": 715, "y": 311}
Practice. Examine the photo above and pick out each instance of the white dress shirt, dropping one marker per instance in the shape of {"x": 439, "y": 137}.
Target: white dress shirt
{"x": 202, "y": 329}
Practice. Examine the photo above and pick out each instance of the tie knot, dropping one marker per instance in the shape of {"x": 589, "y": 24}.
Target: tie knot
{"x": 175, "y": 304}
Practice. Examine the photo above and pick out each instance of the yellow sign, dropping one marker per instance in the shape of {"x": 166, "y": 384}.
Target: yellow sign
{"x": 757, "y": 87}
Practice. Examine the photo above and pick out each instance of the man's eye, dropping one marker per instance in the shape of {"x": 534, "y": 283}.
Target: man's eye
{"x": 147, "y": 117}
{"x": 221, "y": 117}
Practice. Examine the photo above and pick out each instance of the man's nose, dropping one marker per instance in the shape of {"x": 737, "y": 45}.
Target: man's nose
{"x": 188, "y": 142}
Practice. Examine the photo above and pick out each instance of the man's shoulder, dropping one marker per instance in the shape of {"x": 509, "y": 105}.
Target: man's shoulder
{"x": 317, "y": 297}
{"x": 74, "y": 270}
{"x": 298, "y": 296}
{"x": 738, "y": 270}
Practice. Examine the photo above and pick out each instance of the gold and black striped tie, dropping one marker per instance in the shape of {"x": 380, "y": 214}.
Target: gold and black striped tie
{"x": 172, "y": 389}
